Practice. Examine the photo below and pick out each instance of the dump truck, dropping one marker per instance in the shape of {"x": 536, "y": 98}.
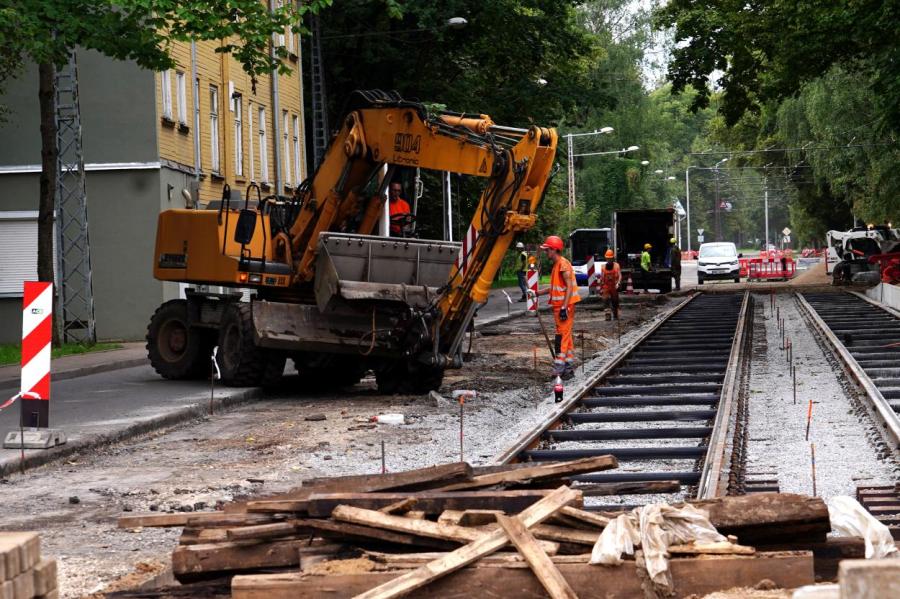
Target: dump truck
{"x": 847, "y": 253}
{"x": 631, "y": 230}
{"x": 327, "y": 293}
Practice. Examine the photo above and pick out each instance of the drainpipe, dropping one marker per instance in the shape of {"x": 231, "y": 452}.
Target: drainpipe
{"x": 276, "y": 116}
{"x": 196, "y": 93}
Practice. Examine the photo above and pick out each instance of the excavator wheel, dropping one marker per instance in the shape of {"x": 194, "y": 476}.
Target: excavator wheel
{"x": 408, "y": 379}
{"x": 242, "y": 362}
{"x": 176, "y": 350}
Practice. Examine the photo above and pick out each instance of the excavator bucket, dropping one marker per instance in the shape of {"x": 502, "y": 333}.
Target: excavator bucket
{"x": 362, "y": 267}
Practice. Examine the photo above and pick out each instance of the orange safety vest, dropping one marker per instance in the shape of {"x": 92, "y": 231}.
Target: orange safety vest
{"x": 561, "y": 277}
{"x": 609, "y": 279}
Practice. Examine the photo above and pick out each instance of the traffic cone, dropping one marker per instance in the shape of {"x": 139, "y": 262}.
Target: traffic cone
{"x": 629, "y": 287}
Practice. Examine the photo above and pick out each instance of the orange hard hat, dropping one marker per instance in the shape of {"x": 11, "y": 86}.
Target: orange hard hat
{"x": 553, "y": 242}
{"x": 609, "y": 254}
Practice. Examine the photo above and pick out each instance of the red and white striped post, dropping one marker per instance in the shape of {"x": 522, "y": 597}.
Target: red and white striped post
{"x": 531, "y": 280}
{"x": 37, "y": 334}
{"x": 592, "y": 275}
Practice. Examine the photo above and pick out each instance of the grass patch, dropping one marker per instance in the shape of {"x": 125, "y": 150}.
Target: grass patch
{"x": 512, "y": 281}
{"x": 12, "y": 353}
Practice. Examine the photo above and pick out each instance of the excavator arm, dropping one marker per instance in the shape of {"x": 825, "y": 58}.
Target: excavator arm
{"x": 383, "y": 129}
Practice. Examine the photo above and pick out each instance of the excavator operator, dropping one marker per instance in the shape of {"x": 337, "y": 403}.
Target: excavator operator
{"x": 563, "y": 292}
{"x": 399, "y": 210}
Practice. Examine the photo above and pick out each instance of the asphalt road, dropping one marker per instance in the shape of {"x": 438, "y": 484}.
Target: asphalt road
{"x": 109, "y": 401}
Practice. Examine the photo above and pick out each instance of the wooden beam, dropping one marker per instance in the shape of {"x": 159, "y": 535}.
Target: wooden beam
{"x": 206, "y": 519}
{"x": 485, "y": 545}
{"x": 762, "y": 518}
{"x": 342, "y": 530}
{"x": 190, "y": 562}
{"x": 630, "y": 488}
{"x": 562, "y": 534}
{"x": 538, "y": 561}
{"x": 541, "y": 472}
{"x": 691, "y": 576}
{"x": 587, "y": 517}
{"x": 402, "y": 505}
{"x": 433, "y": 503}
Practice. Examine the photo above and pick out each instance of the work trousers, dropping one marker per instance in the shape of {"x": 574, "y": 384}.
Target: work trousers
{"x": 565, "y": 346}
{"x": 520, "y": 275}
{"x": 676, "y": 274}
{"x": 611, "y": 295}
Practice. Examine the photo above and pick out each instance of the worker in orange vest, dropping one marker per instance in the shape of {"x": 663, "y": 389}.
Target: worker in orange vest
{"x": 610, "y": 279}
{"x": 563, "y": 292}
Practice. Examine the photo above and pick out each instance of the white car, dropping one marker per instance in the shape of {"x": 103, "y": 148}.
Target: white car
{"x": 718, "y": 261}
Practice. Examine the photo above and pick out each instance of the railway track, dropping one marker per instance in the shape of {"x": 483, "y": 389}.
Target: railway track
{"x": 866, "y": 338}
{"x": 663, "y": 408}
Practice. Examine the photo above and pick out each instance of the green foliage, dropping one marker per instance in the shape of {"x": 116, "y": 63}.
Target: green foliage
{"x": 45, "y": 31}
{"x": 12, "y": 353}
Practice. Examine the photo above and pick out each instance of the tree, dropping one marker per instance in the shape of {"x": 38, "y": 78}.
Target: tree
{"x": 766, "y": 51}
{"x": 45, "y": 32}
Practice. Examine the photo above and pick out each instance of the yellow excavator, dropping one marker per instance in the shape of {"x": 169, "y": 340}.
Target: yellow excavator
{"x": 325, "y": 291}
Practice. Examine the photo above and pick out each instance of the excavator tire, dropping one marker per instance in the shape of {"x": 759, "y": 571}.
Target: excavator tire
{"x": 408, "y": 379}
{"x": 242, "y": 362}
{"x": 176, "y": 350}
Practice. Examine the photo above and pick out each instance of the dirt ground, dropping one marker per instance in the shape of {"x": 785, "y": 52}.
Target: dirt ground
{"x": 273, "y": 444}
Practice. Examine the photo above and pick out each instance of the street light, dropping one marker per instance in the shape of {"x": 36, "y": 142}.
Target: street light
{"x": 571, "y": 156}
{"x": 717, "y": 211}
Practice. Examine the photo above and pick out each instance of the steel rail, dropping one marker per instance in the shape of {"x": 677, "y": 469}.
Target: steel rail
{"x": 533, "y": 437}
{"x": 883, "y": 408}
{"x": 711, "y": 475}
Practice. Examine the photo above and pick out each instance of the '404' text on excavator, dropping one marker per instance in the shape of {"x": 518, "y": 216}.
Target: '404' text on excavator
{"x": 326, "y": 292}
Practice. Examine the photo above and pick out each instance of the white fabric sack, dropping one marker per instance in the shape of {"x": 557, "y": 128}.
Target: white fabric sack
{"x": 653, "y": 528}
{"x": 850, "y": 519}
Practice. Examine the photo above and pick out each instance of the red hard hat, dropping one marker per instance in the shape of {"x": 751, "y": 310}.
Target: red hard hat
{"x": 610, "y": 254}
{"x": 553, "y": 242}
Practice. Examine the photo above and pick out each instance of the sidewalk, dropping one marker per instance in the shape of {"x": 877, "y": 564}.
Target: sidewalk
{"x": 67, "y": 367}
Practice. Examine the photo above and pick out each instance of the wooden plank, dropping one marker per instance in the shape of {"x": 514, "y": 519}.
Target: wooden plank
{"x": 238, "y": 556}
{"x": 587, "y": 517}
{"x": 565, "y": 535}
{"x": 767, "y": 517}
{"x": 206, "y": 519}
{"x": 485, "y": 545}
{"x": 538, "y": 561}
{"x": 433, "y": 503}
{"x": 410, "y": 480}
{"x": 195, "y": 536}
{"x": 541, "y": 472}
{"x": 263, "y": 531}
{"x": 479, "y": 517}
{"x": 692, "y": 576}
{"x": 721, "y": 548}
{"x": 630, "y": 488}
{"x": 422, "y": 528}
{"x": 343, "y": 530}
{"x": 403, "y": 505}
{"x": 499, "y": 558}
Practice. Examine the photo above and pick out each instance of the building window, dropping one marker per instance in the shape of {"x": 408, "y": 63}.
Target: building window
{"x": 286, "y": 146}
{"x": 181, "y": 98}
{"x": 18, "y": 246}
{"x": 214, "y": 128}
{"x": 197, "y": 121}
{"x": 252, "y": 165}
{"x": 236, "y": 107}
{"x": 278, "y": 5}
{"x": 166, "y": 83}
{"x": 296, "y": 122}
{"x": 263, "y": 147}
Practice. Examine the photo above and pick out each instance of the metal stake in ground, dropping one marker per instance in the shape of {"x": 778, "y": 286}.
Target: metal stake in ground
{"x": 546, "y": 336}
{"x": 214, "y": 374}
{"x": 794, "y": 377}
{"x": 808, "y": 418}
{"x": 383, "y": 462}
{"x": 461, "y": 395}
{"x": 582, "y": 352}
{"x": 812, "y": 449}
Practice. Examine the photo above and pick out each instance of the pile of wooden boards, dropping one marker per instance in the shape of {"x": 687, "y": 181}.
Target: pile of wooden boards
{"x": 509, "y": 531}
{"x": 23, "y": 573}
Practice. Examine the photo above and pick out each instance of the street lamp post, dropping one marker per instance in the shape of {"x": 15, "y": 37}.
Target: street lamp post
{"x": 570, "y": 154}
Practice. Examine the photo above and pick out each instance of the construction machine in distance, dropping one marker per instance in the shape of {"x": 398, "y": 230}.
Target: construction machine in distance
{"x": 326, "y": 292}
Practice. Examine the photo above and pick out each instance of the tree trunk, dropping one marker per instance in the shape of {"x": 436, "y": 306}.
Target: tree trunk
{"x": 48, "y": 182}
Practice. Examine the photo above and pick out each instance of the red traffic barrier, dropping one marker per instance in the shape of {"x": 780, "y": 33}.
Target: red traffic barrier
{"x": 763, "y": 268}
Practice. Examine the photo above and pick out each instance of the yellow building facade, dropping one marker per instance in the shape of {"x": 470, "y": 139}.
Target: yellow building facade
{"x": 215, "y": 124}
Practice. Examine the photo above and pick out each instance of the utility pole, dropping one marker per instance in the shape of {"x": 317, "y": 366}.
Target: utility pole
{"x": 766, "y": 191}
{"x": 687, "y": 194}
{"x": 716, "y": 211}
{"x": 76, "y": 295}
{"x": 571, "y": 173}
